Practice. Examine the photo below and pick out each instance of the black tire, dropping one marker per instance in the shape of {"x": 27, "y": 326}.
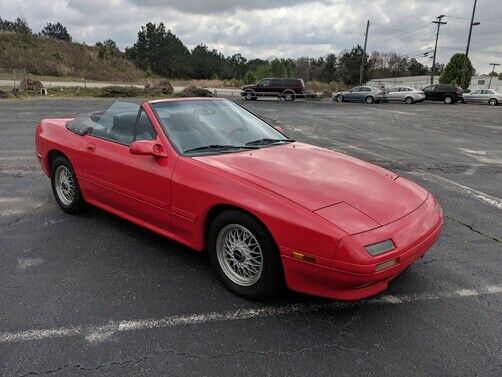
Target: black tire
{"x": 409, "y": 100}
{"x": 370, "y": 99}
{"x": 339, "y": 98}
{"x": 248, "y": 95}
{"x": 77, "y": 204}
{"x": 448, "y": 100}
{"x": 493, "y": 102}
{"x": 271, "y": 278}
{"x": 288, "y": 95}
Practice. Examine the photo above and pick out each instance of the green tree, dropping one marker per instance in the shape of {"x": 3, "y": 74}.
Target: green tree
{"x": 329, "y": 71}
{"x": 415, "y": 68}
{"x": 107, "y": 48}
{"x": 207, "y": 63}
{"x": 452, "y": 72}
{"x": 56, "y": 31}
{"x": 277, "y": 69}
{"x": 500, "y": 76}
{"x": 237, "y": 66}
{"x": 249, "y": 77}
{"x": 19, "y": 25}
{"x": 349, "y": 63}
{"x": 161, "y": 51}
{"x": 263, "y": 71}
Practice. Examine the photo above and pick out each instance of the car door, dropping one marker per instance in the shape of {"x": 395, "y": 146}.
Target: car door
{"x": 263, "y": 88}
{"x": 485, "y": 96}
{"x": 276, "y": 87}
{"x": 352, "y": 94}
{"x": 475, "y": 96}
{"x": 430, "y": 92}
{"x": 135, "y": 185}
{"x": 393, "y": 94}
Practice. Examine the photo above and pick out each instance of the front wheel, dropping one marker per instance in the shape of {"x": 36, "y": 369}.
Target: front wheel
{"x": 493, "y": 102}
{"x": 448, "y": 100}
{"x": 339, "y": 98}
{"x": 370, "y": 99}
{"x": 65, "y": 187}
{"x": 408, "y": 100}
{"x": 244, "y": 256}
{"x": 249, "y": 96}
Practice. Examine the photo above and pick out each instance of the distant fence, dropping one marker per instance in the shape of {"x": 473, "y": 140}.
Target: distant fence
{"x": 11, "y": 78}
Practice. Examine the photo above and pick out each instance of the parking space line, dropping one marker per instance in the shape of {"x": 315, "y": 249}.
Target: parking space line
{"x": 487, "y": 198}
{"x": 102, "y": 332}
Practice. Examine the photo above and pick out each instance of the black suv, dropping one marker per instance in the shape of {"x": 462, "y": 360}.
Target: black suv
{"x": 289, "y": 89}
{"x": 445, "y": 93}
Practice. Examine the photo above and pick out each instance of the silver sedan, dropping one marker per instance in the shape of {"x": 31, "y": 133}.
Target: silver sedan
{"x": 488, "y": 96}
{"x": 366, "y": 94}
{"x": 405, "y": 94}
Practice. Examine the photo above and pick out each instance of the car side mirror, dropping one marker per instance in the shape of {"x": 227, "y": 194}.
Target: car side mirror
{"x": 148, "y": 148}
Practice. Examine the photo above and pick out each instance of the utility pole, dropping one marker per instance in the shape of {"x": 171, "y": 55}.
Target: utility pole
{"x": 493, "y": 70}
{"x": 439, "y": 22}
{"x": 364, "y": 54}
{"x": 466, "y": 56}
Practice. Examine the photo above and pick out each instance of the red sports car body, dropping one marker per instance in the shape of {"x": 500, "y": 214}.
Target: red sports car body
{"x": 342, "y": 228}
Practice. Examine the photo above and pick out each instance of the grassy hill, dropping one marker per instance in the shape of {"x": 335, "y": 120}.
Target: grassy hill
{"x": 50, "y": 57}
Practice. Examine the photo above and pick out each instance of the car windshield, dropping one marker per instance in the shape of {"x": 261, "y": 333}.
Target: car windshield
{"x": 214, "y": 126}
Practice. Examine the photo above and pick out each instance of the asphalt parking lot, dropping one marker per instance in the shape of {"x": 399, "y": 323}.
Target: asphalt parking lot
{"x": 95, "y": 295}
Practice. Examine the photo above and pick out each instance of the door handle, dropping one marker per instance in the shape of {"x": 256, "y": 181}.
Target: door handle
{"x": 90, "y": 147}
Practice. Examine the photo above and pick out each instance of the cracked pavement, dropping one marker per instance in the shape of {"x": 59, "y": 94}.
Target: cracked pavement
{"x": 95, "y": 271}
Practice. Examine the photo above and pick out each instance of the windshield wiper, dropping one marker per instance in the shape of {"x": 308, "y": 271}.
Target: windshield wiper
{"x": 269, "y": 141}
{"x": 216, "y": 147}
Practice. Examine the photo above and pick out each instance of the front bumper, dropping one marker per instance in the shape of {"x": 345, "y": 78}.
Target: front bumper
{"x": 353, "y": 273}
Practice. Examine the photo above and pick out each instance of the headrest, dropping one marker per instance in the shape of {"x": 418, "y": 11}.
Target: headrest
{"x": 124, "y": 122}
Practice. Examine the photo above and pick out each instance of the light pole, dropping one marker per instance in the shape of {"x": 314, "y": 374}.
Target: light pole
{"x": 466, "y": 56}
{"x": 493, "y": 70}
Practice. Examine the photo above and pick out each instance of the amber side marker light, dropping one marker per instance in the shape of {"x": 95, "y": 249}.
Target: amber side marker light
{"x": 305, "y": 257}
{"x": 380, "y": 247}
{"x": 386, "y": 264}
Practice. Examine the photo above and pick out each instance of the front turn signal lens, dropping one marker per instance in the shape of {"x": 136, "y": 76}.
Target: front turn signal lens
{"x": 380, "y": 247}
{"x": 387, "y": 264}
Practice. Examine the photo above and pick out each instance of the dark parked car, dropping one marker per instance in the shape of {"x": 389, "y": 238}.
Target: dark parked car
{"x": 289, "y": 89}
{"x": 445, "y": 93}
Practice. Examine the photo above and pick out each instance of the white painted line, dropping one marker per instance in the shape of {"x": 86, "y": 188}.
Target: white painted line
{"x": 16, "y": 158}
{"x": 10, "y": 212}
{"x": 10, "y": 200}
{"x": 25, "y": 263}
{"x": 93, "y": 333}
{"x": 487, "y": 198}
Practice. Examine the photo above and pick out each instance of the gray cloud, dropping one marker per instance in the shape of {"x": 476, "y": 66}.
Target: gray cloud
{"x": 292, "y": 28}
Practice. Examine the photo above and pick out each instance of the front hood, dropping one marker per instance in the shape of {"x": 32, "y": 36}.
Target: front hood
{"x": 316, "y": 178}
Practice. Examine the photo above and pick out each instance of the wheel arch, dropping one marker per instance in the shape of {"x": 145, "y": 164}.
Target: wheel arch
{"x": 51, "y": 156}
{"x": 218, "y": 209}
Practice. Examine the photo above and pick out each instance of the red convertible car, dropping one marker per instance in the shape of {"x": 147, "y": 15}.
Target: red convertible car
{"x": 268, "y": 210}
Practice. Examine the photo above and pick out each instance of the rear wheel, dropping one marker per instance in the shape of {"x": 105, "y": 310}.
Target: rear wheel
{"x": 244, "y": 255}
{"x": 339, "y": 98}
{"x": 65, "y": 187}
{"x": 493, "y": 102}
{"x": 448, "y": 100}
{"x": 288, "y": 95}
{"x": 370, "y": 99}
{"x": 408, "y": 100}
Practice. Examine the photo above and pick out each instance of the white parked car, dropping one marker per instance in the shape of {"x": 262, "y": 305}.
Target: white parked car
{"x": 488, "y": 96}
{"x": 405, "y": 94}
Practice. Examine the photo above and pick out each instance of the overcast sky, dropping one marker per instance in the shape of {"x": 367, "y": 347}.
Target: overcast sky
{"x": 281, "y": 28}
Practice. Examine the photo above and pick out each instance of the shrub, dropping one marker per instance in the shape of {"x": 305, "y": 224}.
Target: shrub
{"x": 193, "y": 91}
{"x": 31, "y": 85}
{"x": 163, "y": 87}
{"x": 120, "y": 91}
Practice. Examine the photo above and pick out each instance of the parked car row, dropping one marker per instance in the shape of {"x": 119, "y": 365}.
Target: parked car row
{"x": 291, "y": 88}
